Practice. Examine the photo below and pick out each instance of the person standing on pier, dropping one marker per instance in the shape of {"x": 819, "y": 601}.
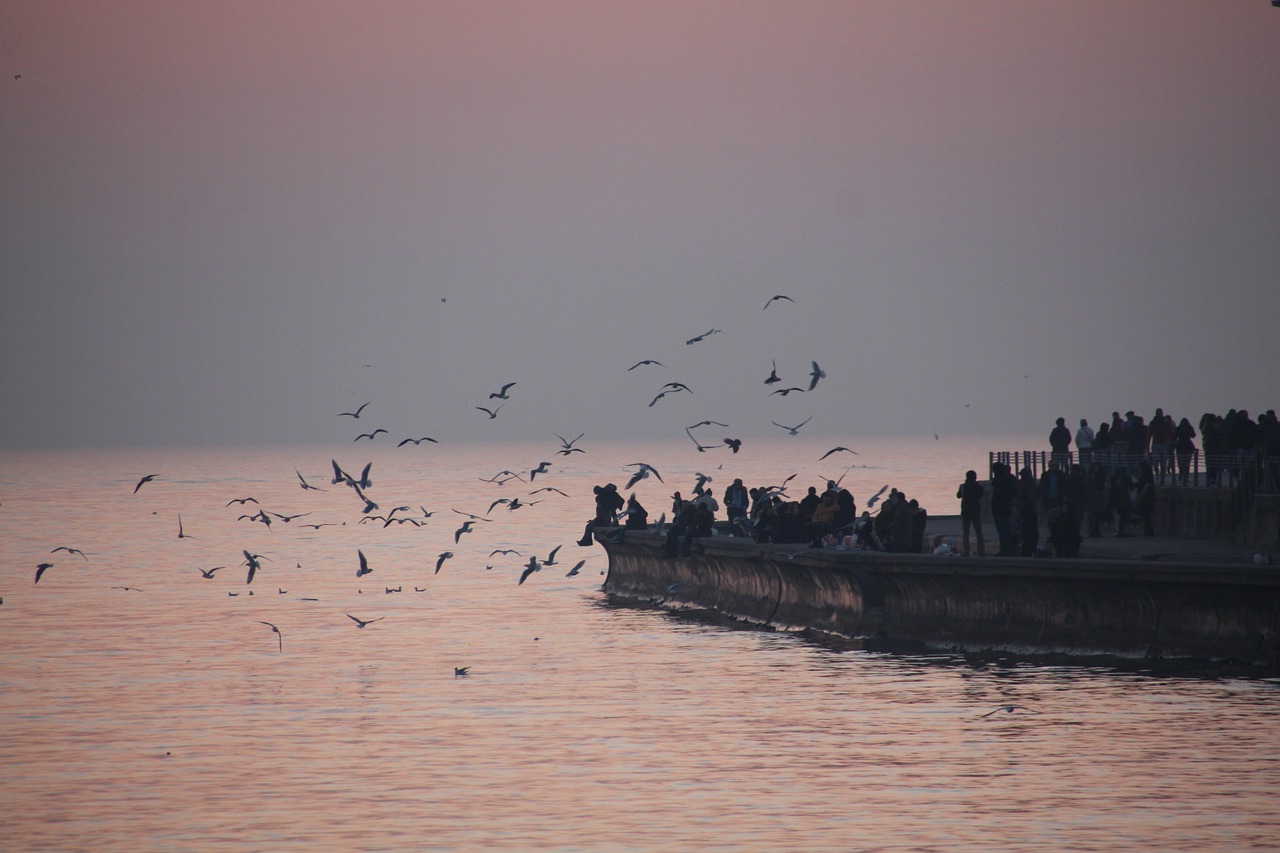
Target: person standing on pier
{"x": 1060, "y": 442}
{"x": 1084, "y": 443}
{"x": 970, "y": 494}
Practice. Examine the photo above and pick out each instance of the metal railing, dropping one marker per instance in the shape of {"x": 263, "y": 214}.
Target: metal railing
{"x": 1247, "y": 471}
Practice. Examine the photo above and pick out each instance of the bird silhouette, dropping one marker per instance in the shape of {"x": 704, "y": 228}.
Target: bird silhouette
{"x": 551, "y": 558}
{"x": 279, "y": 636}
{"x": 143, "y": 481}
{"x": 734, "y": 444}
{"x": 529, "y": 569}
{"x": 838, "y": 449}
{"x": 209, "y": 573}
{"x": 465, "y": 528}
{"x": 364, "y": 565}
{"x": 70, "y": 551}
{"x": 773, "y": 299}
{"x": 304, "y": 484}
{"x": 370, "y": 435}
{"x": 41, "y": 569}
{"x": 251, "y": 560}
{"x": 502, "y": 393}
{"x": 356, "y": 413}
{"x": 785, "y": 391}
{"x": 645, "y": 361}
{"x": 460, "y": 671}
{"x": 773, "y": 374}
{"x": 417, "y": 441}
{"x": 492, "y": 413}
{"x": 816, "y": 374}
{"x": 793, "y": 430}
{"x": 360, "y": 623}
{"x": 444, "y": 555}
{"x": 542, "y": 468}
{"x": 181, "y": 533}
{"x": 1009, "y": 709}
{"x": 703, "y": 336}
{"x": 575, "y": 569}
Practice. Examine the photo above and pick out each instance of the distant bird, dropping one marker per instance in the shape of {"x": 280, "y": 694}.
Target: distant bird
{"x": 304, "y": 484}
{"x": 678, "y": 386}
{"x": 70, "y": 551}
{"x": 41, "y": 569}
{"x": 241, "y": 501}
{"x": 444, "y": 555}
{"x": 643, "y": 470}
{"x": 207, "y": 574}
{"x": 369, "y": 504}
{"x": 575, "y": 569}
{"x": 702, "y": 448}
{"x": 1009, "y": 709}
{"x": 356, "y": 413}
{"x": 144, "y": 480}
{"x": 838, "y": 449}
{"x": 465, "y": 528}
{"x": 773, "y": 299}
{"x": 364, "y": 565}
{"x": 136, "y": 589}
{"x": 551, "y": 558}
{"x": 773, "y": 373}
{"x": 181, "y": 533}
{"x": 288, "y": 518}
{"x": 360, "y": 623}
{"x": 734, "y": 444}
{"x": 492, "y": 413}
{"x": 502, "y": 394}
{"x": 548, "y": 489}
{"x": 659, "y": 396}
{"x": 702, "y": 480}
{"x": 702, "y": 336}
{"x": 816, "y": 374}
{"x": 785, "y": 391}
{"x": 364, "y": 482}
{"x": 529, "y": 569}
{"x": 279, "y": 636}
{"x": 472, "y": 517}
{"x": 706, "y": 423}
{"x": 793, "y": 430}
{"x": 417, "y": 441}
{"x": 370, "y": 435}
{"x": 645, "y": 361}
{"x": 542, "y": 468}
{"x": 251, "y": 560}
{"x": 340, "y": 477}
{"x": 460, "y": 671}
{"x": 505, "y": 551}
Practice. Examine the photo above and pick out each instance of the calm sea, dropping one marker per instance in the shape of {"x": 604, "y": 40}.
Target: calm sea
{"x": 146, "y": 707}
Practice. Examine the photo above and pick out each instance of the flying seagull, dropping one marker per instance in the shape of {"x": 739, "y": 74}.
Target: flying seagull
{"x": 706, "y": 423}
{"x": 643, "y": 470}
{"x": 773, "y": 299}
{"x": 144, "y": 480}
{"x": 251, "y": 560}
{"x": 41, "y": 569}
{"x": 838, "y": 449}
{"x": 69, "y": 551}
{"x": 305, "y": 485}
{"x": 529, "y": 569}
{"x": 542, "y": 468}
{"x": 733, "y": 444}
{"x": 793, "y": 430}
{"x": 444, "y": 555}
{"x": 1009, "y": 709}
{"x": 773, "y": 374}
{"x": 492, "y": 413}
{"x": 551, "y": 558}
{"x": 364, "y": 565}
{"x": 705, "y": 334}
{"x": 241, "y": 501}
{"x": 785, "y": 391}
{"x": 207, "y": 574}
{"x": 502, "y": 394}
{"x": 816, "y": 374}
{"x": 356, "y": 413}
{"x": 702, "y": 448}
{"x": 417, "y": 441}
{"x": 279, "y": 636}
{"x": 465, "y": 528}
{"x": 369, "y": 435}
{"x": 567, "y": 447}
{"x": 182, "y": 534}
{"x": 872, "y": 500}
{"x": 575, "y": 569}
{"x": 645, "y": 361}
{"x": 360, "y": 623}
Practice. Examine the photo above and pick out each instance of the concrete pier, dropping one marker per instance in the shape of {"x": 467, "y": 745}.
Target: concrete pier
{"x": 1148, "y": 603}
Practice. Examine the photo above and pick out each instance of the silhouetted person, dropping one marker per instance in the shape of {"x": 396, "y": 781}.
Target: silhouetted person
{"x": 970, "y": 494}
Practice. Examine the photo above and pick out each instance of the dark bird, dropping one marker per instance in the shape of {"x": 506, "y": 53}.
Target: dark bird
{"x": 364, "y": 565}
{"x": 706, "y": 423}
{"x": 793, "y": 430}
{"x": 369, "y": 435}
{"x": 839, "y": 449}
{"x": 135, "y": 589}
{"x": 360, "y": 623}
{"x": 492, "y": 413}
{"x": 816, "y": 374}
{"x": 417, "y": 441}
{"x": 773, "y": 374}
{"x": 678, "y": 386}
{"x": 369, "y": 505}
{"x": 733, "y": 444}
{"x": 505, "y": 551}
{"x": 551, "y": 558}
{"x": 70, "y": 551}
{"x": 356, "y": 413}
{"x": 444, "y": 555}
{"x": 575, "y": 569}
{"x": 548, "y": 489}
{"x": 542, "y": 468}
{"x": 146, "y": 479}
{"x": 702, "y": 448}
{"x": 41, "y": 569}
{"x": 251, "y": 560}
{"x": 529, "y": 569}
{"x": 502, "y": 394}
{"x": 181, "y": 533}
{"x": 241, "y": 501}
{"x": 472, "y": 517}
{"x": 702, "y": 336}
{"x": 773, "y": 299}
{"x": 785, "y": 391}
{"x": 645, "y": 361}
{"x": 465, "y": 528}
{"x": 659, "y": 396}
{"x": 304, "y": 484}
{"x": 340, "y": 476}
{"x": 288, "y": 518}
{"x": 279, "y": 636}
{"x": 1009, "y": 709}
{"x": 460, "y": 671}
{"x": 207, "y": 574}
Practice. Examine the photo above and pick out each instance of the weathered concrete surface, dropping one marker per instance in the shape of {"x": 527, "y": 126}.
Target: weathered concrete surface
{"x": 1132, "y": 608}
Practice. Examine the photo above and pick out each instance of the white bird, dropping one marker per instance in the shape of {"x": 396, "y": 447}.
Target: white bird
{"x": 793, "y": 430}
{"x": 643, "y": 470}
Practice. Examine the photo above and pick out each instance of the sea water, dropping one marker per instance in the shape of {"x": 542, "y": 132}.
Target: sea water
{"x": 146, "y": 707}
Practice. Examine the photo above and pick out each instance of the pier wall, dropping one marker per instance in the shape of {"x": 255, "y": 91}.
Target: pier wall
{"x": 1126, "y": 608}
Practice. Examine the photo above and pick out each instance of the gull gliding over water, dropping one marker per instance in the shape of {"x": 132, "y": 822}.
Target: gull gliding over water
{"x": 143, "y": 481}
{"x": 69, "y": 551}
{"x": 839, "y": 449}
{"x": 279, "y": 636}
{"x": 360, "y": 623}
{"x": 41, "y": 569}
{"x": 304, "y": 484}
{"x": 364, "y": 565}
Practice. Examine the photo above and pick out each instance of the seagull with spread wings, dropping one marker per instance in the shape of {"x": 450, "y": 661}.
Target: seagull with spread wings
{"x": 356, "y": 413}
{"x": 773, "y": 299}
{"x": 793, "y": 430}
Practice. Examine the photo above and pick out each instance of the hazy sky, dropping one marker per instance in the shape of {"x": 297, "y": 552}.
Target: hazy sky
{"x": 227, "y": 222}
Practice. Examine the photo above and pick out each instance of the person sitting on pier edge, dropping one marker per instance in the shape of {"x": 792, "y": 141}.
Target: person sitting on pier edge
{"x": 637, "y": 515}
{"x": 1060, "y": 441}
{"x": 864, "y": 533}
{"x": 789, "y": 525}
{"x": 681, "y": 525}
{"x": 765, "y": 526}
{"x": 608, "y": 503}
{"x": 970, "y": 494}
{"x": 824, "y": 519}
